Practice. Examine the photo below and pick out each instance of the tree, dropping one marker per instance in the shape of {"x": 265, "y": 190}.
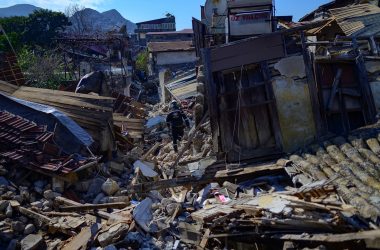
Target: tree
{"x": 81, "y": 23}
{"x": 44, "y": 69}
{"x": 142, "y": 61}
{"x": 10, "y": 41}
{"x": 14, "y": 24}
{"x": 43, "y": 26}
{"x": 14, "y": 28}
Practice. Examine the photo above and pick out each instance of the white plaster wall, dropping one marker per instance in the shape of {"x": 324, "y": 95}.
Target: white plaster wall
{"x": 293, "y": 103}
{"x": 167, "y": 58}
{"x": 294, "y": 111}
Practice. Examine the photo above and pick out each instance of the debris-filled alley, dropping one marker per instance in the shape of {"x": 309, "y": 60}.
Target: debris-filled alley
{"x": 249, "y": 131}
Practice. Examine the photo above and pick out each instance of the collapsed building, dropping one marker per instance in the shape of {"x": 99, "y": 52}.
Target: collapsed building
{"x": 283, "y": 152}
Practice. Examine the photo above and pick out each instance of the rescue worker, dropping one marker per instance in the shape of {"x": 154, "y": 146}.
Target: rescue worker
{"x": 176, "y": 121}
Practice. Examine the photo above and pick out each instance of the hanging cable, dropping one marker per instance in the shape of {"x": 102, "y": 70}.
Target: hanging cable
{"x": 237, "y": 118}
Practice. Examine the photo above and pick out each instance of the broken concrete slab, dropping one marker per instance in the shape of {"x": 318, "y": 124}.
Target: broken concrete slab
{"x": 51, "y": 195}
{"x": 292, "y": 66}
{"x": 110, "y": 187}
{"x": 31, "y": 242}
{"x": 143, "y": 214}
{"x": 112, "y": 234}
{"x": 29, "y": 229}
{"x": 146, "y": 168}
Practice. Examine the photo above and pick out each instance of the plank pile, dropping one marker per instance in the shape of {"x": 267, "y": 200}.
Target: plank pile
{"x": 93, "y": 113}
{"x": 275, "y": 215}
{"x": 132, "y": 127}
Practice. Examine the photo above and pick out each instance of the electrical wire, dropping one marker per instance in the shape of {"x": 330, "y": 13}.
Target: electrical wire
{"x": 237, "y": 119}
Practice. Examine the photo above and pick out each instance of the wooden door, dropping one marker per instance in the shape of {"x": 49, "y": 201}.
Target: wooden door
{"x": 341, "y": 96}
{"x": 248, "y": 119}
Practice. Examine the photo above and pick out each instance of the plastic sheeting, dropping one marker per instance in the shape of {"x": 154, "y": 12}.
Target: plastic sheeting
{"x": 68, "y": 134}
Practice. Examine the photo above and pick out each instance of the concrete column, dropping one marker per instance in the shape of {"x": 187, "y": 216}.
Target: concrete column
{"x": 165, "y": 95}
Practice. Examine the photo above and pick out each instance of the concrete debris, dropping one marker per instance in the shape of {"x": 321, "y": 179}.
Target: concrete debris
{"x": 32, "y": 242}
{"x": 143, "y": 214}
{"x": 110, "y": 187}
{"x": 29, "y": 229}
{"x": 112, "y": 234}
{"x": 146, "y": 168}
{"x": 281, "y": 148}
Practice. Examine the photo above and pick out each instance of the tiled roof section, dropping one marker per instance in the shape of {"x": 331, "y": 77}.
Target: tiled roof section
{"x": 170, "y": 46}
{"x": 184, "y": 31}
{"x": 350, "y": 164}
{"x": 325, "y": 7}
{"x": 358, "y": 20}
{"x": 30, "y": 145}
{"x": 10, "y": 70}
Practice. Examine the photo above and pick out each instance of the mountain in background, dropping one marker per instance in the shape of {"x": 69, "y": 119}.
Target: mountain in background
{"x": 18, "y": 10}
{"x": 106, "y": 21}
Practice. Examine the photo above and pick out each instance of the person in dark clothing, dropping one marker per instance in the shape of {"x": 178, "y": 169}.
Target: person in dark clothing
{"x": 176, "y": 121}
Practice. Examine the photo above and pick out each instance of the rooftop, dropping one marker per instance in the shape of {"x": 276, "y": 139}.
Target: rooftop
{"x": 170, "y": 46}
{"x": 184, "y": 31}
{"x": 157, "y": 21}
{"x": 358, "y": 20}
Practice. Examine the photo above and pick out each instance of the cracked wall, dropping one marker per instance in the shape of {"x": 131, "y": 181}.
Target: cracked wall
{"x": 293, "y": 103}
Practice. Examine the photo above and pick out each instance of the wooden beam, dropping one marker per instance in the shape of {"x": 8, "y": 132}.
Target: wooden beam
{"x": 333, "y": 238}
{"x": 369, "y": 102}
{"x": 211, "y": 92}
{"x": 334, "y": 89}
{"x": 83, "y": 238}
{"x": 62, "y": 200}
{"x": 205, "y": 239}
{"x": 192, "y": 133}
{"x": 370, "y": 237}
{"x": 33, "y": 215}
{"x": 150, "y": 151}
{"x": 85, "y": 207}
{"x": 312, "y": 88}
{"x": 220, "y": 176}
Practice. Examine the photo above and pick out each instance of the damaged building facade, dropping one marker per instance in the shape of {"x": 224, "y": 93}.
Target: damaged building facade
{"x": 287, "y": 92}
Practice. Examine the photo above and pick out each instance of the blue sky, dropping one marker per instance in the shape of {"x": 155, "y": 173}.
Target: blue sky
{"x": 184, "y": 10}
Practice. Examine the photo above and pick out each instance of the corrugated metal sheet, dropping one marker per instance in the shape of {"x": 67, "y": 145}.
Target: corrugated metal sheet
{"x": 358, "y": 20}
{"x": 185, "y": 86}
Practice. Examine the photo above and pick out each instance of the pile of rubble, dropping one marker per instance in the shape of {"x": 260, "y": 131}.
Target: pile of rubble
{"x": 153, "y": 198}
{"x": 150, "y": 197}
{"x": 196, "y": 144}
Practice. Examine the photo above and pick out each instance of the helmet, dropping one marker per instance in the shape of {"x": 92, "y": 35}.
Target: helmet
{"x": 174, "y": 104}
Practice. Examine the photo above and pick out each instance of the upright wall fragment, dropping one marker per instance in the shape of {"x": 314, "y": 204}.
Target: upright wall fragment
{"x": 293, "y": 103}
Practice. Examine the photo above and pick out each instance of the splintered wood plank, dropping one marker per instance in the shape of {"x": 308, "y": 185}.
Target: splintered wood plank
{"x": 85, "y": 207}
{"x": 82, "y": 239}
{"x": 205, "y": 238}
{"x": 36, "y": 216}
{"x": 66, "y": 93}
{"x": 334, "y": 238}
{"x": 59, "y": 100}
{"x": 7, "y": 87}
{"x": 217, "y": 210}
{"x": 120, "y": 117}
